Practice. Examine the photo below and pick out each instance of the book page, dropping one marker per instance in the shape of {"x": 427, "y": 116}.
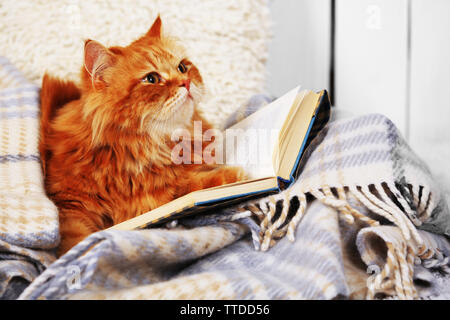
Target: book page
{"x": 251, "y": 142}
{"x": 206, "y": 197}
{"x": 291, "y": 145}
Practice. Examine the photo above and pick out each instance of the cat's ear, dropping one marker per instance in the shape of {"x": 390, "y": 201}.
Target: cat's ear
{"x": 155, "y": 29}
{"x": 97, "y": 59}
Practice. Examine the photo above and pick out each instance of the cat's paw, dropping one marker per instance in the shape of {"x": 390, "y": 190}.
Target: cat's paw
{"x": 216, "y": 177}
{"x": 233, "y": 174}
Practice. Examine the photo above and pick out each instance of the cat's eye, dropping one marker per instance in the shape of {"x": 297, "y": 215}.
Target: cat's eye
{"x": 152, "y": 78}
{"x": 182, "y": 67}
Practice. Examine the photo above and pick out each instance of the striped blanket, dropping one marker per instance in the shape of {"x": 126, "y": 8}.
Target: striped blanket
{"x": 28, "y": 219}
{"x": 364, "y": 220}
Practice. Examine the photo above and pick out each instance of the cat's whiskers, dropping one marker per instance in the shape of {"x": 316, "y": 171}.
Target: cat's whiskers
{"x": 174, "y": 102}
{"x": 172, "y": 115}
{"x": 175, "y": 112}
{"x": 196, "y": 92}
{"x": 159, "y": 131}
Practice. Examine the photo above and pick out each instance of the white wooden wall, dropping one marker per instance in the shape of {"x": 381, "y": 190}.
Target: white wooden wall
{"x": 430, "y": 85}
{"x": 430, "y": 71}
{"x": 300, "y": 50}
{"x": 372, "y": 57}
{"x": 392, "y": 57}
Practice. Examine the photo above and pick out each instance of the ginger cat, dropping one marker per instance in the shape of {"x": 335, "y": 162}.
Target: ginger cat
{"x": 106, "y": 146}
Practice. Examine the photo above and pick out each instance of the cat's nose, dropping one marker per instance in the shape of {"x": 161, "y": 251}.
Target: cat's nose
{"x": 186, "y": 83}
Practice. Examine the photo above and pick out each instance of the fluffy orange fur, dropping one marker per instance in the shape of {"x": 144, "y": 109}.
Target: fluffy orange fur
{"x": 105, "y": 145}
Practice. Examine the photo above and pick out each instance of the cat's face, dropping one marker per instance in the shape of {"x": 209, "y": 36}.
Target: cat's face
{"x": 149, "y": 85}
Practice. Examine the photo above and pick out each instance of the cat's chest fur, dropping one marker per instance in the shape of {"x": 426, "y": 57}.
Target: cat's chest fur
{"x": 120, "y": 181}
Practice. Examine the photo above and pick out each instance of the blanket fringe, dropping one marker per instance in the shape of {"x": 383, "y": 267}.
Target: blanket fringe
{"x": 396, "y": 276}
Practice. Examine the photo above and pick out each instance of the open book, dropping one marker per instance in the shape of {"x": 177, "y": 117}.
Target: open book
{"x": 268, "y": 144}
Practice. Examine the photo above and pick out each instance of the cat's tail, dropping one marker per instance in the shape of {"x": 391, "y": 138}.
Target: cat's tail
{"x": 55, "y": 93}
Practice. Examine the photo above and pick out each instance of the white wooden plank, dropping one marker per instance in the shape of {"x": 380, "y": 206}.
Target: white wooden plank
{"x": 430, "y": 85}
{"x": 299, "y": 52}
{"x": 430, "y": 71}
{"x": 371, "y": 58}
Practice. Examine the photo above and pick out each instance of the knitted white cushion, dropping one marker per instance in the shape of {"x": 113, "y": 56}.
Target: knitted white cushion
{"x": 226, "y": 39}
